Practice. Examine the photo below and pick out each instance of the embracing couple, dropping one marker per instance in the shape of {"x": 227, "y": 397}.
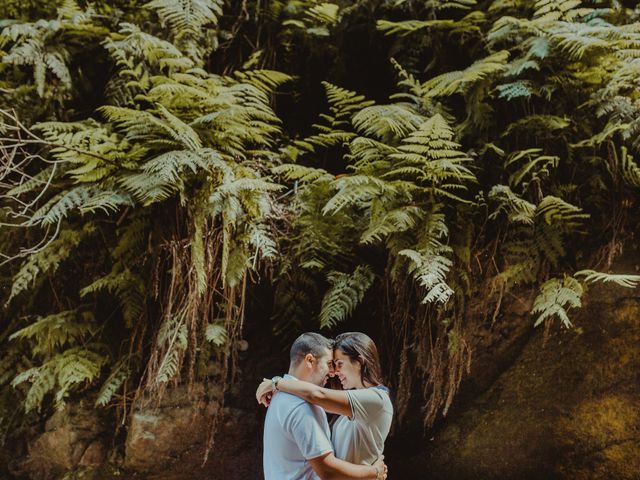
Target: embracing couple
{"x": 298, "y": 442}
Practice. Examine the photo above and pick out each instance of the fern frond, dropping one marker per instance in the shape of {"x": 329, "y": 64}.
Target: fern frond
{"x": 216, "y": 334}
{"x": 624, "y": 280}
{"x": 344, "y": 295}
{"x": 356, "y": 190}
{"x": 517, "y": 209}
{"x": 49, "y": 259}
{"x": 387, "y": 122}
{"x": 459, "y": 81}
{"x": 172, "y": 339}
{"x": 293, "y": 172}
{"x": 390, "y": 222}
{"x": 555, "y": 299}
{"x": 119, "y": 374}
{"x": 128, "y": 288}
{"x": 554, "y": 210}
{"x": 51, "y": 332}
{"x": 429, "y": 263}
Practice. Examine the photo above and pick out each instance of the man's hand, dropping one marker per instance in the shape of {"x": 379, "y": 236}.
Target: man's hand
{"x": 265, "y": 392}
{"x": 381, "y": 468}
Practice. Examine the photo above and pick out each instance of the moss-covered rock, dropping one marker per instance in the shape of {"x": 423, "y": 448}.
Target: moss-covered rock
{"x": 567, "y": 409}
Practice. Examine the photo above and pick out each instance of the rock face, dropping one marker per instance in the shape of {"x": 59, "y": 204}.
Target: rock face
{"x": 74, "y": 437}
{"x": 567, "y": 409}
{"x": 160, "y": 434}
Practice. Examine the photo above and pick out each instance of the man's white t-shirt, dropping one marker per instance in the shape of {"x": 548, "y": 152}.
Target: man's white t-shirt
{"x": 294, "y": 431}
{"x": 360, "y": 439}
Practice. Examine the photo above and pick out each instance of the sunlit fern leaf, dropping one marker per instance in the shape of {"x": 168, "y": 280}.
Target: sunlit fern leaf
{"x": 389, "y": 222}
{"x": 172, "y": 339}
{"x": 187, "y": 17}
{"x": 345, "y": 294}
{"x": 554, "y": 210}
{"x": 387, "y": 122}
{"x": 429, "y": 157}
{"x": 267, "y": 81}
{"x": 557, "y": 296}
{"x": 459, "y": 81}
{"x": 628, "y": 168}
{"x": 180, "y": 131}
{"x": 576, "y": 40}
{"x": 325, "y": 13}
{"x": 518, "y": 89}
{"x": 62, "y": 204}
{"x": 300, "y": 173}
{"x": 429, "y": 259}
{"x": 263, "y": 243}
{"x": 356, "y": 190}
{"x": 76, "y": 366}
{"x": 216, "y": 334}
{"x": 553, "y": 10}
{"x": 343, "y": 104}
{"x": 624, "y": 280}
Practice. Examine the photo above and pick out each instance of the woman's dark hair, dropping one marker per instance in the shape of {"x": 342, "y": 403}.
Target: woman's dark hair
{"x": 360, "y": 348}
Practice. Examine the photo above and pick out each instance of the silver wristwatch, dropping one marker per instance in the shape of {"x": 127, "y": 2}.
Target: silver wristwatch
{"x": 275, "y": 381}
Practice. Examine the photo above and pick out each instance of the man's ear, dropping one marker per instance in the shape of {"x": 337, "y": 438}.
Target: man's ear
{"x": 309, "y": 359}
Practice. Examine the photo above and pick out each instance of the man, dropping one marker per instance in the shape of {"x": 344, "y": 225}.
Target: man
{"x": 296, "y": 433}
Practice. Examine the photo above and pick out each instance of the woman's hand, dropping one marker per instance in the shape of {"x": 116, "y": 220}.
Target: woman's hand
{"x": 265, "y": 392}
{"x": 381, "y": 468}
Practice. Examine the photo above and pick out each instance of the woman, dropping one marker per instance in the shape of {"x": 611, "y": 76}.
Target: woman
{"x": 364, "y": 405}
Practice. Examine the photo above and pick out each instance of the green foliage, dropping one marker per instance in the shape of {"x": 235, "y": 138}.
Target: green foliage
{"x": 556, "y": 297}
{"x": 344, "y": 295}
{"x": 48, "y": 259}
{"x": 119, "y": 374}
{"x": 72, "y": 368}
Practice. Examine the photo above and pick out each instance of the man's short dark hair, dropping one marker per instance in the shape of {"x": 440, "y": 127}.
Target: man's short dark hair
{"x": 309, "y": 342}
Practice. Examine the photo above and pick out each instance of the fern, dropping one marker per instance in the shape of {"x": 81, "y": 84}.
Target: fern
{"x": 460, "y": 81}
{"x": 128, "y": 288}
{"x": 591, "y": 276}
{"x": 431, "y": 157}
{"x": 187, "y": 21}
{"x": 48, "y": 259}
{"x": 387, "y": 122}
{"x": 119, "y": 374}
{"x": 429, "y": 261}
{"x": 385, "y": 223}
{"x": 172, "y": 338}
{"x": 49, "y": 333}
{"x": 555, "y": 299}
{"x": 64, "y": 372}
{"x": 216, "y": 334}
{"x": 334, "y": 131}
{"x": 344, "y": 295}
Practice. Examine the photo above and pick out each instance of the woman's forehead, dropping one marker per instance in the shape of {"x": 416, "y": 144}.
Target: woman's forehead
{"x": 339, "y": 355}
